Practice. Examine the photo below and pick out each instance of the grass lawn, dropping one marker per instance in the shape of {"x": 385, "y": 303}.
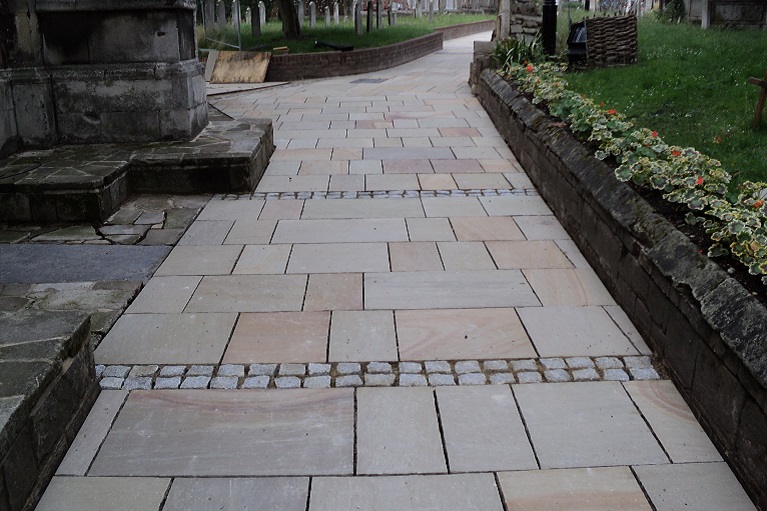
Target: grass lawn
{"x": 407, "y": 27}
{"x": 690, "y": 86}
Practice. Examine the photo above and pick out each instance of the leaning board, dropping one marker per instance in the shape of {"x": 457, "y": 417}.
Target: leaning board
{"x": 240, "y": 67}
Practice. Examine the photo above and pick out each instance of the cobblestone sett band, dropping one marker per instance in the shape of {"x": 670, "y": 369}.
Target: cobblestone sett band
{"x": 390, "y": 194}
{"x": 376, "y": 374}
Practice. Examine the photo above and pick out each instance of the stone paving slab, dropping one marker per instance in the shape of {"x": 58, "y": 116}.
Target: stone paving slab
{"x": 224, "y": 433}
{"x": 31, "y": 264}
{"x": 460, "y": 492}
{"x": 202, "y": 494}
{"x": 586, "y": 424}
{"x": 91, "y": 493}
{"x": 249, "y": 293}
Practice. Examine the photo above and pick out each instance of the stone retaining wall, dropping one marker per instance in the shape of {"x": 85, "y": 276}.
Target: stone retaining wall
{"x": 302, "y": 66}
{"x": 707, "y": 330}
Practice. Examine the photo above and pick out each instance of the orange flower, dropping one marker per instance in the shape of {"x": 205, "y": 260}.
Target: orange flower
{"x": 675, "y": 153}
{"x": 758, "y": 204}
{"x": 529, "y": 68}
{"x": 612, "y": 112}
{"x": 654, "y": 133}
{"x": 699, "y": 181}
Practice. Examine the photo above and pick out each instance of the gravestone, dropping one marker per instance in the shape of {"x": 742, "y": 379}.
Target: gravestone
{"x": 255, "y": 22}
{"x": 261, "y": 15}
{"x": 236, "y": 15}
{"x": 209, "y": 13}
{"x": 418, "y": 10}
{"x": 221, "y": 15}
{"x": 312, "y": 14}
{"x": 301, "y": 12}
{"x": 392, "y": 17}
{"x": 327, "y": 16}
{"x": 378, "y": 13}
{"x": 431, "y": 11}
{"x": 336, "y": 20}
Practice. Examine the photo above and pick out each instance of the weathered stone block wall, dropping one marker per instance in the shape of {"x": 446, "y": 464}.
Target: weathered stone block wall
{"x": 320, "y": 65}
{"x": 102, "y": 71}
{"x": 8, "y": 133}
{"x": 703, "y": 325}
{"x": 49, "y": 386}
{"x": 526, "y": 19}
{"x": 464, "y": 29}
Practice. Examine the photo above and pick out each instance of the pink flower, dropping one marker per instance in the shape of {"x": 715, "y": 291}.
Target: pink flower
{"x": 699, "y": 181}
{"x": 654, "y": 133}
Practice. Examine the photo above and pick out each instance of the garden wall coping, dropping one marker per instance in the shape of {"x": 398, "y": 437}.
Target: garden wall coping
{"x": 703, "y": 325}
{"x": 302, "y": 66}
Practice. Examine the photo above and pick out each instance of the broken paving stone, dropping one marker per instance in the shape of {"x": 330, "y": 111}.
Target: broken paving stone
{"x": 73, "y": 233}
{"x": 124, "y": 239}
{"x": 179, "y": 218}
{"x": 150, "y": 217}
{"x": 124, "y": 216}
{"x": 112, "y": 230}
{"x": 162, "y": 237}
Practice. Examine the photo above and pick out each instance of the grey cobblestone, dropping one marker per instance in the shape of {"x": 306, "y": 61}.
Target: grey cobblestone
{"x": 231, "y": 370}
{"x": 553, "y": 363}
{"x": 139, "y": 382}
{"x": 440, "y": 379}
{"x": 292, "y": 370}
{"x": 348, "y": 368}
{"x": 320, "y": 375}
{"x": 351, "y": 380}
{"x": 644, "y": 373}
{"x": 318, "y": 369}
{"x": 556, "y": 375}
{"x": 579, "y": 362}
{"x": 609, "y": 363}
{"x": 412, "y": 380}
{"x": 287, "y": 382}
{"x": 616, "y": 375}
{"x": 172, "y": 371}
{"x": 410, "y": 367}
{"x": 383, "y": 194}
{"x": 256, "y": 382}
{"x": 495, "y": 365}
{"x": 172, "y": 382}
{"x": 524, "y": 365}
{"x": 111, "y": 383}
{"x": 317, "y": 382}
{"x": 100, "y": 370}
{"x": 529, "y": 377}
{"x": 472, "y": 379}
{"x": 467, "y": 366}
{"x": 438, "y": 366}
{"x": 116, "y": 371}
{"x": 379, "y": 380}
{"x": 379, "y": 367}
{"x": 262, "y": 369}
{"x": 139, "y": 371}
{"x": 195, "y": 382}
{"x": 224, "y": 382}
{"x": 200, "y": 370}
{"x": 638, "y": 362}
{"x": 586, "y": 374}
{"x": 502, "y": 378}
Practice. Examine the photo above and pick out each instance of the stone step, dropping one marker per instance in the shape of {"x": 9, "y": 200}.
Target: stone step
{"x": 88, "y": 183}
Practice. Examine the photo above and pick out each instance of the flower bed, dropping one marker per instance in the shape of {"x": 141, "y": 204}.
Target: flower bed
{"x": 702, "y": 324}
{"x": 683, "y": 175}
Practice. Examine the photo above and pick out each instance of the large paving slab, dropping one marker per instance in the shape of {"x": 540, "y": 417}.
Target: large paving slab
{"x": 362, "y": 335}
{"x": 577, "y": 489}
{"x": 202, "y": 494}
{"x": 224, "y": 433}
{"x": 328, "y": 209}
{"x": 448, "y": 290}
{"x": 249, "y": 293}
{"x": 589, "y": 424}
{"x": 459, "y": 492}
{"x": 38, "y": 263}
{"x": 339, "y": 258}
{"x": 340, "y": 231}
{"x": 91, "y": 493}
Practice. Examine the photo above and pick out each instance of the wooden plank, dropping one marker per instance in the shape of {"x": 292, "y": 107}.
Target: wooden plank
{"x": 240, "y": 67}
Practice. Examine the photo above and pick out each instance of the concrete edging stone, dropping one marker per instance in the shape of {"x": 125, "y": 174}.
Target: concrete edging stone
{"x": 708, "y": 330}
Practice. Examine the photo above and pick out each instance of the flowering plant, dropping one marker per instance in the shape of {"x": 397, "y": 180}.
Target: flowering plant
{"x": 684, "y": 175}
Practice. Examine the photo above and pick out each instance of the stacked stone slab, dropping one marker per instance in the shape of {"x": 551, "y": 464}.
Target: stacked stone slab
{"x": 96, "y": 71}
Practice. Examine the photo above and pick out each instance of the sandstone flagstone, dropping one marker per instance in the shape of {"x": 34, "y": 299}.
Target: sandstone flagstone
{"x": 91, "y": 493}
{"x": 249, "y": 293}
{"x": 225, "y": 433}
{"x": 202, "y": 494}
{"x": 279, "y": 337}
{"x": 340, "y": 231}
{"x": 334, "y": 291}
{"x": 339, "y": 258}
{"x": 362, "y": 336}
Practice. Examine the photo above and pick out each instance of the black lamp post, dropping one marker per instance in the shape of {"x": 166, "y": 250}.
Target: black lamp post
{"x": 549, "y": 28}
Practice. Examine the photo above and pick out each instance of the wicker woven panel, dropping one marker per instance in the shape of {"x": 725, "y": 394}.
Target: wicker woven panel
{"x": 612, "y": 40}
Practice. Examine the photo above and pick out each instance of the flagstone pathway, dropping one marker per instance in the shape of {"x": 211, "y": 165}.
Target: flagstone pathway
{"x": 393, "y": 321}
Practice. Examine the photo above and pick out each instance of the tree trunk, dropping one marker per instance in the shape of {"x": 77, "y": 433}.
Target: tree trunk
{"x": 291, "y": 28}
